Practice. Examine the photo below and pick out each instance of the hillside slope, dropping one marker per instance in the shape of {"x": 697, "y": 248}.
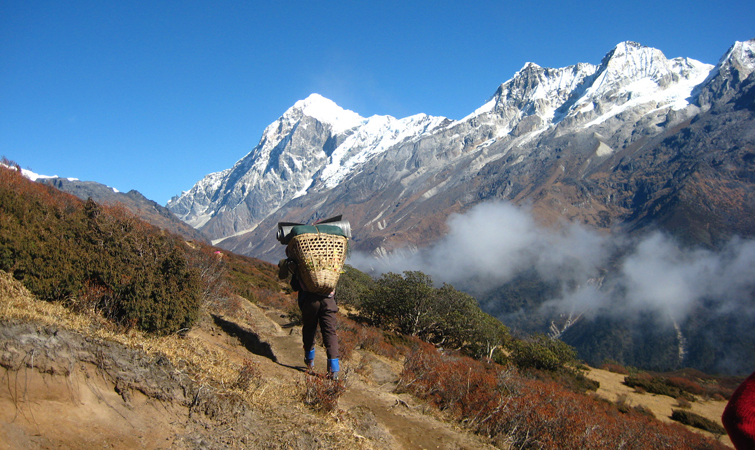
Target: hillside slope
{"x": 232, "y": 382}
{"x": 69, "y": 387}
{"x": 612, "y": 388}
{"x": 142, "y": 332}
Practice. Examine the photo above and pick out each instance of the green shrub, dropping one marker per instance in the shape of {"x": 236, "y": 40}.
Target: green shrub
{"x": 683, "y": 403}
{"x": 575, "y": 380}
{"x": 697, "y": 421}
{"x": 543, "y": 353}
{"x": 352, "y": 285}
{"x": 95, "y": 258}
{"x": 657, "y": 385}
{"x": 403, "y": 303}
{"x": 643, "y": 410}
{"x": 444, "y": 316}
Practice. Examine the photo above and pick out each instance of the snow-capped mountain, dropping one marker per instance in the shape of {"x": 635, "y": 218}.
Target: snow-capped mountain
{"x": 547, "y": 137}
{"x": 314, "y": 143}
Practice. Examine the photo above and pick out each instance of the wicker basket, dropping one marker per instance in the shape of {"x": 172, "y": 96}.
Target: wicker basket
{"x": 319, "y": 258}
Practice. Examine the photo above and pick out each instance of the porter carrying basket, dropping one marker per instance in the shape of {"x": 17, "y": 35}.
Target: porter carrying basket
{"x": 319, "y": 259}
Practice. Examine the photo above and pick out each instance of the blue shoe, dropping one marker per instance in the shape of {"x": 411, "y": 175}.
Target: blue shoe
{"x": 309, "y": 360}
{"x": 333, "y": 368}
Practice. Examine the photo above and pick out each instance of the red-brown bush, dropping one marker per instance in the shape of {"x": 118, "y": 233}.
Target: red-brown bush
{"x": 249, "y": 376}
{"x": 686, "y": 385}
{"x": 615, "y": 368}
{"x": 353, "y": 335}
{"x": 322, "y": 394}
{"x": 525, "y": 413}
{"x": 348, "y": 336}
{"x": 274, "y": 299}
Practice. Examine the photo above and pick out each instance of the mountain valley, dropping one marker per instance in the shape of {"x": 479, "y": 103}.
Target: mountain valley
{"x": 612, "y": 155}
{"x": 538, "y": 203}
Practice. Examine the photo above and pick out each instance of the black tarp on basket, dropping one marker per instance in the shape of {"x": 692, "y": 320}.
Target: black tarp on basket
{"x": 319, "y": 251}
{"x": 285, "y": 228}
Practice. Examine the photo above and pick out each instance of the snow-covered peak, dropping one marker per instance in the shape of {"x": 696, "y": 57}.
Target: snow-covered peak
{"x": 539, "y": 90}
{"x": 742, "y": 56}
{"x": 628, "y": 47}
{"x": 633, "y": 74}
{"x": 632, "y": 61}
{"x": 535, "y": 82}
{"x": 378, "y": 134}
{"x": 315, "y": 106}
{"x": 191, "y": 206}
{"x": 535, "y": 90}
{"x": 327, "y": 111}
{"x": 35, "y": 176}
{"x": 209, "y": 183}
{"x": 744, "y": 52}
{"x": 629, "y": 75}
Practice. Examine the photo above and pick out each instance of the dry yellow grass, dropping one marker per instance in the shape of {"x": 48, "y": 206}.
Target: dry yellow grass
{"x": 204, "y": 363}
{"x": 612, "y": 388}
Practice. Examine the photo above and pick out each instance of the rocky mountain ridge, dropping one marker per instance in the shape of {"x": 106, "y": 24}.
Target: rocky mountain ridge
{"x": 133, "y": 200}
{"x": 548, "y": 138}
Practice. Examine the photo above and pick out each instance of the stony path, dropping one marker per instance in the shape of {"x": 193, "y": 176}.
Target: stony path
{"x": 399, "y": 421}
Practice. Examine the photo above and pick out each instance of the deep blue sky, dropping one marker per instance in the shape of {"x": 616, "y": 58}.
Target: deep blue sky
{"x": 153, "y": 95}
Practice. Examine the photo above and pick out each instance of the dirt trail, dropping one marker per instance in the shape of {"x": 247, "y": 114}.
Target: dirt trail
{"x": 391, "y": 420}
{"x": 77, "y": 393}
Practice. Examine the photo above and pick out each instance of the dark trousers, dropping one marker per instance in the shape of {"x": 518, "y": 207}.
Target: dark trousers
{"x": 319, "y": 309}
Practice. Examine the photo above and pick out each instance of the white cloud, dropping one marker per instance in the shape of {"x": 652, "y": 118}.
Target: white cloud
{"x": 494, "y": 242}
